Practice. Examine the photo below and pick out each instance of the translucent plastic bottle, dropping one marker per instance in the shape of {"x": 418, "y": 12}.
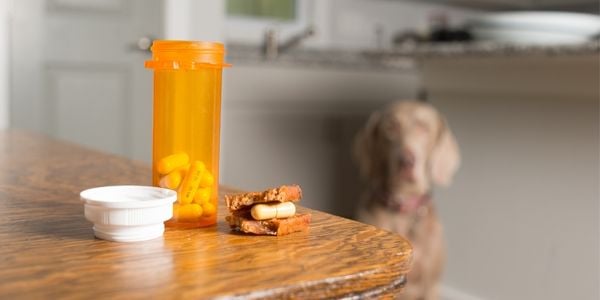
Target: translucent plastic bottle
{"x": 186, "y": 130}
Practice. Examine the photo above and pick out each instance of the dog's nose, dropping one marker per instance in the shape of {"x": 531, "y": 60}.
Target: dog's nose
{"x": 407, "y": 157}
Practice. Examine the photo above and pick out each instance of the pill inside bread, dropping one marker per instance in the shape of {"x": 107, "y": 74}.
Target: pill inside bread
{"x": 270, "y": 212}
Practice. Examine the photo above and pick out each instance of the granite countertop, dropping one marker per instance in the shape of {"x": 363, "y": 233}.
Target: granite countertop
{"x": 405, "y": 58}
{"x": 311, "y": 58}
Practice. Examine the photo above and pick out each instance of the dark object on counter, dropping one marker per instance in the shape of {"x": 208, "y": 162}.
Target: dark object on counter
{"x": 438, "y": 35}
{"x": 450, "y": 35}
{"x": 439, "y": 32}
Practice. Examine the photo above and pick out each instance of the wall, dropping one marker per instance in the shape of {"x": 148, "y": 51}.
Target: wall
{"x": 4, "y": 62}
{"x": 194, "y": 20}
{"x": 521, "y": 219}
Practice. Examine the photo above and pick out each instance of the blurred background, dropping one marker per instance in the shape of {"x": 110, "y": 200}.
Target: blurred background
{"x": 520, "y": 91}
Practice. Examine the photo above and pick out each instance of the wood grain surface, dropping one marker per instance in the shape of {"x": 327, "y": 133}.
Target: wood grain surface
{"x": 48, "y": 249}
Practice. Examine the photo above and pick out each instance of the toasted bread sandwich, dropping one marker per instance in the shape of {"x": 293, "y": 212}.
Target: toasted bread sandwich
{"x": 271, "y": 212}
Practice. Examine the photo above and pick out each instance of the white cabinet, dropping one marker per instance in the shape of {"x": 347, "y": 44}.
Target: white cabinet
{"x": 523, "y": 209}
{"x": 77, "y": 75}
{"x": 526, "y": 4}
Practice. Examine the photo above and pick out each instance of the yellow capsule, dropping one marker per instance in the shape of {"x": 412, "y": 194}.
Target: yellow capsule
{"x": 202, "y": 195}
{"x": 171, "y": 180}
{"x": 188, "y": 212}
{"x": 209, "y": 209}
{"x": 270, "y": 211}
{"x": 190, "y": 183}
{"x": 206, "y": 180}
{"x": 168, "y": 164}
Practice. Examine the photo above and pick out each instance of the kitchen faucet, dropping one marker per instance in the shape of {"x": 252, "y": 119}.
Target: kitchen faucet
{"x": 272, "y": 48}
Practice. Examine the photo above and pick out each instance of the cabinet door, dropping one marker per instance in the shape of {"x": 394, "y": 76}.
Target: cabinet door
{"x": 78, "y": 73}
{"x": 591, "y": 5}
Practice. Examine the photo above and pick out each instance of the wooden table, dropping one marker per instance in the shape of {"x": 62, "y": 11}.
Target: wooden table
{"x": 48, "y": 249}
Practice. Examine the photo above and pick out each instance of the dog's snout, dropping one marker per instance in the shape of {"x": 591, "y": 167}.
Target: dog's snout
{"x": 404, "y": 162}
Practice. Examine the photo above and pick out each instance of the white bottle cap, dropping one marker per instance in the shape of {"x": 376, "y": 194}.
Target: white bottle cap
{"x": 128, "y": 213}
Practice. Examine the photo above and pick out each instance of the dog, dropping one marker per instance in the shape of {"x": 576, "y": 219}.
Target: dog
{"x": 400, "y": 152}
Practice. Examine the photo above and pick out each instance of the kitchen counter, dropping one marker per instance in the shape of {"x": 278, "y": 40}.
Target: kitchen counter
{"x": 401, "y": 58}
{"x": 48, "y": 249}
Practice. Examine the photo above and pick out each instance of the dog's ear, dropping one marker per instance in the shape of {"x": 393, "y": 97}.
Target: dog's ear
{"x": 365, "y": 144}
{"x": 445, "y": 156}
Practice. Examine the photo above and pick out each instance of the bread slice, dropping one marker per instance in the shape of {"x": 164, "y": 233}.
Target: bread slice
{"x": 284, "y": 193}
{"x": 298, "y": 222}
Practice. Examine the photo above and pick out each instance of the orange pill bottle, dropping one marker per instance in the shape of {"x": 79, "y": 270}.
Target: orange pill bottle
{"x": 186, "y": 127}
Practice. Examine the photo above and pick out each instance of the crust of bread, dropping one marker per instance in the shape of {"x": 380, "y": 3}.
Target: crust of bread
{"x": 298, "y": 222}
{"x": 284, "y": 193}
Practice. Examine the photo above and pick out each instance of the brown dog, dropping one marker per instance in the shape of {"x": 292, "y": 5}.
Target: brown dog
{"x": 400, "y": 152}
